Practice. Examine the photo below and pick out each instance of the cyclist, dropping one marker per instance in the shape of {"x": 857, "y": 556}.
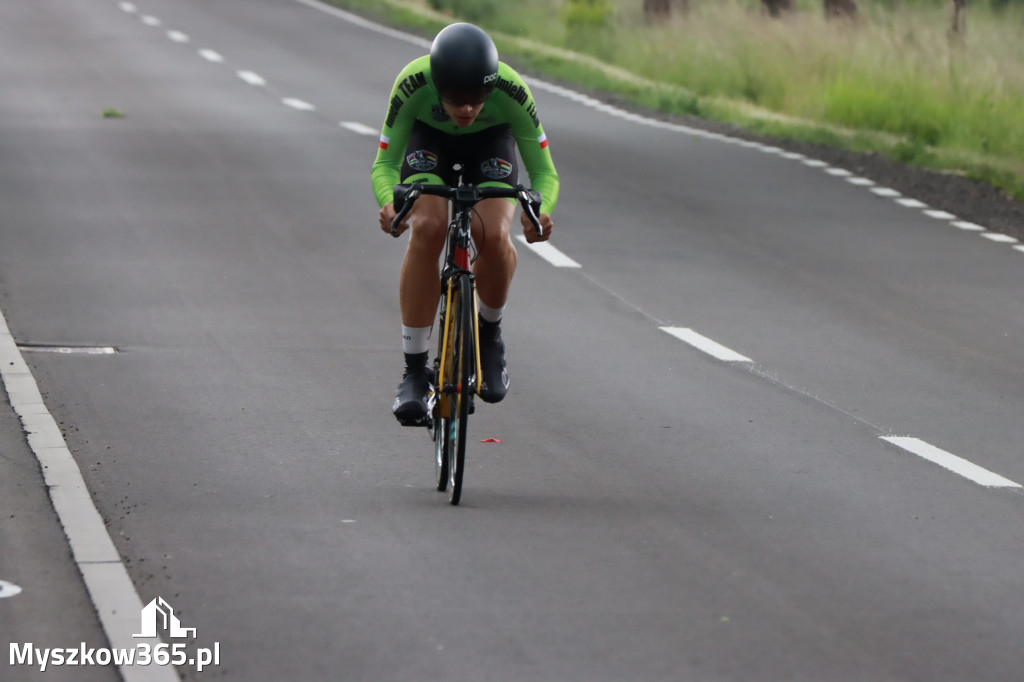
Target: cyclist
{"x": 459, "y": 105}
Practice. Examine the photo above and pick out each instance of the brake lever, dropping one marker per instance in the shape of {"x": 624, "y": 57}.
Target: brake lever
{"x": 526, "y": 199}
{"x": 407, "y": 200}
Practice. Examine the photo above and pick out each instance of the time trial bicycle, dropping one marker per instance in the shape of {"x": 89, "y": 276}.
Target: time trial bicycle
{"x": 456, "y": 371}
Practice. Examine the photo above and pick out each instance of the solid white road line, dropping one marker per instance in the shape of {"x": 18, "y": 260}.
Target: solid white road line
{"x": 957, "y": 465}
{"x": 706, "y": 345}
{"x": 111, "y": 589}
{"x": 550, "y": 254}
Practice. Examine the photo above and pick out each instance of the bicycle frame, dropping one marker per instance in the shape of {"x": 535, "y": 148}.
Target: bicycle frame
{"x": 455, "y": 385}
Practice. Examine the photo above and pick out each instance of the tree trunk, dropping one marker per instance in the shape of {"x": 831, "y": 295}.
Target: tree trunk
{"x": 840, "y": 9}
{"x": 958, "y": 29}
{"x": 776, "y": 8}
{"x": 657, "y": 10}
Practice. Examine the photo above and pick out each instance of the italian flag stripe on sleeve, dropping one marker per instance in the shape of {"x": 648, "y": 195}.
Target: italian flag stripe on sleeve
{"x": 384, "y": 141}
{"x": 543, "y": 140}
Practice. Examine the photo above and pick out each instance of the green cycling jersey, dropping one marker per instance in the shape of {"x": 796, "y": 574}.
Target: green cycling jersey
{"x": 414, "y": 98}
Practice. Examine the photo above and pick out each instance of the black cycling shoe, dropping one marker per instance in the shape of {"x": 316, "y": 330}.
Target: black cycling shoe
{"x": 492, "y": 363}
{"x": 414, "y": 401}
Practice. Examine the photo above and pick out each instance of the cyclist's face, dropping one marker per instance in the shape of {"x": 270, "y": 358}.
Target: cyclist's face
{"x": 463, "y": 110}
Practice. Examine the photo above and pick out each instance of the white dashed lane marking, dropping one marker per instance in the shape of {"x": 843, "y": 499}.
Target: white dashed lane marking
{"x": 359, "y": 128}
{"x": 297, "y": 104}
{"x": 706, "y": 345}
{"x": 252, "y": 78}
{"x": 211, "y": 56}
{"x": 999, "y": 238}
{"x": 550, "y": 253}
{"x": 957, "y": 465}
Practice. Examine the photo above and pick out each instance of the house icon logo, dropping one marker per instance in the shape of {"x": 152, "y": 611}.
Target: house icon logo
{"x": 158, "y": 614}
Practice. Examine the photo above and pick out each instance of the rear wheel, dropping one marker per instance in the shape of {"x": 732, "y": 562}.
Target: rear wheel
{"x": 463, "y": 382}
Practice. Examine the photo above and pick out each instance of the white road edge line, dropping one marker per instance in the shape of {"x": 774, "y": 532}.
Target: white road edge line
{"x": 706, "y": 345}
{"x": 110, "y": 588}
{"x": 957, "y": 465}
{"x": 550, "y": 254}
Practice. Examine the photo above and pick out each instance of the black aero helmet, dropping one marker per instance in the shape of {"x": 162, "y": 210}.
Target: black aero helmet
{"x": 464, "y": 64}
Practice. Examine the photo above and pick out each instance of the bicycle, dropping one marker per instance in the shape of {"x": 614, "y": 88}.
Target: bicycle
{"x": 457, "y": 365}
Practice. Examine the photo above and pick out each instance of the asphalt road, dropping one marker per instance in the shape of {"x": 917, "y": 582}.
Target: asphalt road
{"x": 654, "y": 512}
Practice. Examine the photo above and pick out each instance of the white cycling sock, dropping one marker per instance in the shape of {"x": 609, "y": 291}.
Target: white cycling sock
{"x": 488, "y": 313}
{"x": 415, "y": 340}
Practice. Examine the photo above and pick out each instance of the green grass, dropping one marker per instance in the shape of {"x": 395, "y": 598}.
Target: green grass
{"x": 892, "y": 82}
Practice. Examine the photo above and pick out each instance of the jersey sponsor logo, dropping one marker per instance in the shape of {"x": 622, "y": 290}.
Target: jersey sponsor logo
{"x": 543, "y": 141}
{"x": 516, "y": 92}
{"x": 384, "y": 142}
{"x": 422, "y": 160}
{"x": 413, "y": 83}
{"x": 407, "y": 87}
{"x": 520, "y": 96}
{"x": 496, "y": 168}
{"x": 393, "y": 109}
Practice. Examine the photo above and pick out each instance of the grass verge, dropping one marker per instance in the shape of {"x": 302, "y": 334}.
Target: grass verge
{"x": 893, "y": 84}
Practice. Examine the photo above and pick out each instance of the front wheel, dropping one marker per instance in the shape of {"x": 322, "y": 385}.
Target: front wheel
{"x": 464, "y": 384}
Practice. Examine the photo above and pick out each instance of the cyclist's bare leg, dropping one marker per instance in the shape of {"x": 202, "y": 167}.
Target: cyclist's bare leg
{"x": 496, "y": 261}
{"x": 420, "y": 285}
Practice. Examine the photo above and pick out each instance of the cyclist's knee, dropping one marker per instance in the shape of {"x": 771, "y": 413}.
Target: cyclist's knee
{"x": 428, "y": 230}
{"x": 492, "y": 225}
